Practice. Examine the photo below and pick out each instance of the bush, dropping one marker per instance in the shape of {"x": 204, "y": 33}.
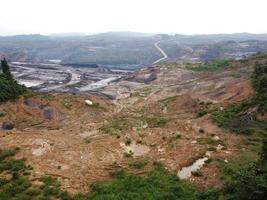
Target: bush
{"x": 211, "y": 66}
{"x": 19, "y": 186}
{"x": 159, "y": 184}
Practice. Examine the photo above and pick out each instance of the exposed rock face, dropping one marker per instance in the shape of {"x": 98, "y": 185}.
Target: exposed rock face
{"x": 8, "y": 126}
{"x": 143, "y": 76}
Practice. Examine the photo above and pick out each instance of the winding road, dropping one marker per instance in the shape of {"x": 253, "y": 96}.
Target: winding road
{"x": 161, "y": 51}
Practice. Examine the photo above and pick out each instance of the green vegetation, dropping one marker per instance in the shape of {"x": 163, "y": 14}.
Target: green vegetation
{"x": 115, "y": 124}
{"x": 128, "y": 154}
{"x": 9, "y": 88}
{"x": 156, "y": 121}
{"x": 259, "y": 82}
{"x": 203, "y": 111}
{"x": 243, "y": 117}
{"x": 121, "y": 124}
{"x": 87, "y": 140}
{"x": 2, "y": 114}
{"x": 205, "y": 141}
{"x": 138, "y": 164}
{"x": 210, "y": 66}
{"x": 128, "y": 142}
{"x": 159, "y": 184}
{"x": 15, "y": 184}
{"x": 260, "y": 55}
{"x": 246, "y": 178}
{"x": 168, "y": 100}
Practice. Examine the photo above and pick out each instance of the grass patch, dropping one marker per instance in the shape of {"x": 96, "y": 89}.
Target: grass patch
{"x": 43, "y": 96}
{"x": 159, "y": 184}
{"x": 19, "y": 187}
{"x": 115, "y": 124}
{"x": 156, "y": 121}
{"x": 205, "y": 141}
{"x": 168, "y": 100}
{"x": 140, "y": 164}
{"x": 210, "y": 66}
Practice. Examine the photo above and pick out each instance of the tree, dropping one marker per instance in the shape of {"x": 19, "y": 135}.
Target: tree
{"x": 259, "y": 78}
{"x": 9, "y": 88}
{"x": 6, "y": 69}
{"x": 264, "y": 151}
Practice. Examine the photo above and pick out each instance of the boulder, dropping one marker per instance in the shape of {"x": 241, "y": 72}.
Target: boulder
{"x": 88, "y": 102}
{"x": 215, "y": 138}
{"x": 8, "y": 125}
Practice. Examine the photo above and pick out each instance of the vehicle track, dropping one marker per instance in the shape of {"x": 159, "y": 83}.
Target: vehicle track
{"x": 165, "y": 56}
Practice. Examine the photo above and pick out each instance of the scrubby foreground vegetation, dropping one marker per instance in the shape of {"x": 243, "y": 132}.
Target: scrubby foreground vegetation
{"x": 158, "y": 184}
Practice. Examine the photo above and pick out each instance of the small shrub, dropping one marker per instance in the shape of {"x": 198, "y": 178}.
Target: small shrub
{"x": 128, "y": 154}
{"x": 139, "y": 142}
{"x": 197, "y": 173}
{"x": 128, "y": 142}
{"x": 87, "y": 140}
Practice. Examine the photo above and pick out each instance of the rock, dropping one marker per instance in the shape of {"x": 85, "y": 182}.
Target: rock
{"x": 178, "y": 133}
{"x": 194, "y": 142}
{"x": 88, "y": 102}
{"x": 208, "y": 153}
{"x": 219, "y": 147}
{"x": 8, "y": 125}
{"x": 215, "y": 138}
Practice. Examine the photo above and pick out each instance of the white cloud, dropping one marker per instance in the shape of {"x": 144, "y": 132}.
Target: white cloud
{"x": 179, "y": 16}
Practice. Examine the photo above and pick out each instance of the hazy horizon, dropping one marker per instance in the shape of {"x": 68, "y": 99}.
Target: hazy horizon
{"x": 63, "y": 34}
{"x": 188, "y": 17}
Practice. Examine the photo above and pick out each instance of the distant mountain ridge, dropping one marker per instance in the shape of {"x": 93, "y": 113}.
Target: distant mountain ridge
{"x": 127, "y": 49}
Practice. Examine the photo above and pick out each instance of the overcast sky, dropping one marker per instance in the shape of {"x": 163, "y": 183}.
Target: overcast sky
{"x": 170, "y": 16}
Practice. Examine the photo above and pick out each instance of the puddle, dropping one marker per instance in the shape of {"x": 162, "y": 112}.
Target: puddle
{"x": 185, "y": 172}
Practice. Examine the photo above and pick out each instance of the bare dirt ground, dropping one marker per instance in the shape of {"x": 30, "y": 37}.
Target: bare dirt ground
{"x": 61, "y": 136}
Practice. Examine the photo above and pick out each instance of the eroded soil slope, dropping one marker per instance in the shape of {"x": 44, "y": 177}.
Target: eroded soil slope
{"x": 150, "y": 121}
